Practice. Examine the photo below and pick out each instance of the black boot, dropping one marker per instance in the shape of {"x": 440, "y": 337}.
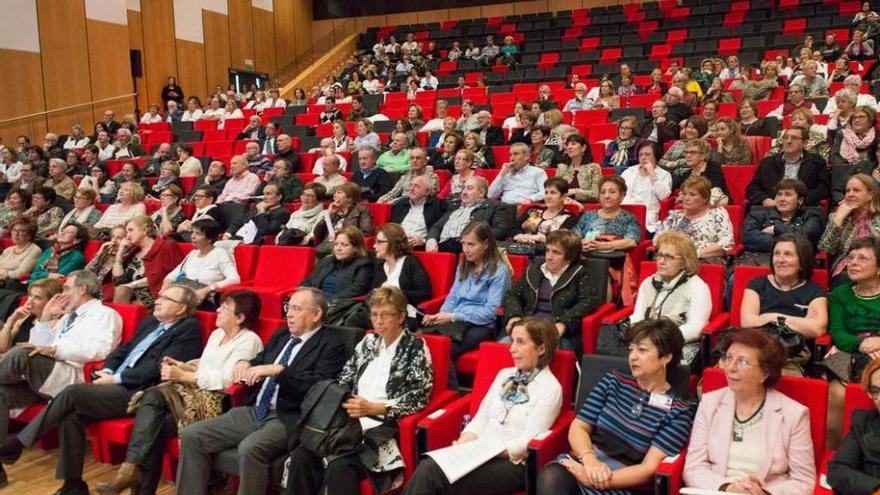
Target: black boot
{"x": 73, "y": 487}
{"x": 11, "y": 450}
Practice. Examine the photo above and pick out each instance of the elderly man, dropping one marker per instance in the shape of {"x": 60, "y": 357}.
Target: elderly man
{"x": 289, "y": 185}
{"x": 830, "y": 51}
{"x": 241, "y": 185}
{"x": 813, "y": 85}
{"x": 110, "y": 122}
{"x": 267, "y": 217}
{"x": 267, "y": 140}
{"x": 330, "y": 177}
{"x": 852, "y": 83}
{"x": 580, "y": 100}
{"x": 518, "y": 181}
{"x": 419, "y": 168}
{"x": 796, "y": 100}
{"x": 58, "y": 179}
{"x": 328, "y": 148}
{"x": 154, "y": 164}
{"x": 190, "y": 166}
{"x": 732, "y": 70}
{"x": 125, "y": 145}
{"x": 489, "y": 134}
{"x": 418, "y": 210}
{"x": 173, "y": 112}
{"x": 253, "y": 130}
{"x": 257, "y": 163}
{"x": 51, "y": 145}
{"x": 284, "y": 149}
{"x": 171, "y": 331}
{"x": 677, "y": 110}
{"x": 660, "y": 128}
{"x": 54, "y": 355}
{"x": 545, "y": 99}
{"x": 77, "y": 138}
{"x": 374, "y": 181}
{"x": 396, "y": 159}
{"x": 445, "y": 234}
{"x": 296, "y": 357}
{"x": 793, "y": 163}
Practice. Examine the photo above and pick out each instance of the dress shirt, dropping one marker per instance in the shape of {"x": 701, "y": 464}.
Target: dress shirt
{"x": 150, "y": 118}
{"x": 106, "y": 153}
{"x": 373, "y": 382}
{"x": 73, "y": 143}
{"x": 414, "y": 221}
{"x": 239, "y": 189}
{"x": 191, "y": 167}
{"x": 331, "y": 183}
{"x": 456, "y": 222}
{"x": 318, "y": 168}
{"x": 574, "y": 105}
{"x": 524, "y": 186}
{"x": 193, "y": 116}
{"x": 12, "y": 170}
{"x": 642, "y": 190}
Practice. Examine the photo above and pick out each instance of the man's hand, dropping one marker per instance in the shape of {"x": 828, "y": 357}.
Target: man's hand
{"x": 256, "y": 374}
{"x": 103, "y": 378}
{"x": 239, "y": 371}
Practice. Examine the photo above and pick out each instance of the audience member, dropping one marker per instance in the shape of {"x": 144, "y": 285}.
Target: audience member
{"x": 373, "y": 181}
{"x": 856, "y": 217}
{"x": 647, "y": 184}
{"x": 142, "y": 262}
{"x": 708, "y": 228}
{"x": 300, "y": 226}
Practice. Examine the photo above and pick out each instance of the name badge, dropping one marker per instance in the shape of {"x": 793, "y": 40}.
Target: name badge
{"x": 661, "y": 401}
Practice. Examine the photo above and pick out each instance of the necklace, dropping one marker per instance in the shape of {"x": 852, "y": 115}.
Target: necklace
{"x": 739, "y": 427}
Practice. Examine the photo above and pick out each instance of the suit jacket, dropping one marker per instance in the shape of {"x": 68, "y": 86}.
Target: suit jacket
{"x": 263, "y": 144}
{"x": 667, "y": 131}
{"x": 494, "y": 136}
{"x": 173, "y": 116}
{"x": 268, "y": 223}
{"x": 379, "y": 182}
{"x": 855, "y": 468}
{"x": 432, "y": 211}
{"x": 183, "y": 341}
{"x": 499, "y": 216}
{"x": 813, "y": 172}
{"x": 293, "y": 157}
{"x": 788, "y": 466}
{"x": 321, "y": 358}
{"x": 37, "y": 182}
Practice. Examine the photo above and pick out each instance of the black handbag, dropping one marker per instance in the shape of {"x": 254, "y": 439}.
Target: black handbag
{"x": 612, "y": 339}
{"x": 325, "y": 428}
{"x": 793, "y": 342}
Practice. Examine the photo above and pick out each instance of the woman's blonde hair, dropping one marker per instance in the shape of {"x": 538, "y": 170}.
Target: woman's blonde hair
{"x": 871, "y": 185}
{"x": 137, "y": 191}
{"x": 146, "y": 224}
{"x": 553, "y": 117}
{"x": 699, "y": 184}
{"x": 385, "y": 295}
{"x": 685, "y": 247}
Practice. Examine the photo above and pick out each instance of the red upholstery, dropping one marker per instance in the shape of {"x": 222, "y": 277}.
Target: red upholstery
{"x": 279, "y": 270}
{"x": 738, "y": 178}
{"x": 381, "y": 213}
{"x": 131, "y": 314}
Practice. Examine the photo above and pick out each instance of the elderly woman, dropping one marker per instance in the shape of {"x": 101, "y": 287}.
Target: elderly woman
{"x": 483, "y": 156}
{"x": 344, "y": 274}
{"x": 610, "y": 227}
{"x": 699, "y": 163}
{"x": 857, "y": 142}
{"x": 578, "y": 170}
{"x": 521, "y": 402}
{"x": 859, "y": 48}
{"x": 647, "y": 184}
{"x": 99, "y": 180}
{"x": 751, "y": 124}
{"x": 537, "y": 221}
{"x": 43, "y": 209}
{"x": 539, "y": 153}
{"x": 21, "y": 257}
{"x": 84, "y": 211}
{"x": 199, "y": 384}
{"x": 130, "y": 205}
{"x": 617, "y": 439}
{"x": 438, "y": 138}
{"x": 365, "y": 135}
{"x": 760, "y": 89}
{"x": 102, "y": 263}
{"x": 763, "y": 225}
{"x": 169, "y": 175}
{"x": 207, "y": 268}
{"x": 395, "y": 266}
{"x": 748, "y": 437}
{"x": 230, "y": 111}
{"x": 733, "y": 149}
{"x": 464, "y": 163}
{"x": 16, "y": 203}
{"x": 131, "y": 173}
{"x": 844, "y": 103}
{"x": 17, "y": 328}
{"x": 695, "y": 127}
{"x": 169, "y": 216}
{"x": 854, "y": 469}
{"x": 444, "y": 158}
{"x": 389, "y": 376}
{"x": 621, "y": 153}
{"x": 10, "y": 166}
{"x": 709, "y": 228}
{"x": 556, "y": 288}
{"x": 857, "y": 217}
{"x": 301, "y": 224}
{"x": 141, "y": 263}
{"x": 64, "y": 255}
{"x": 345, "y": 211}
{"x": 817, "y": 143}
{"x": 607, "y": 98}
{"x": 481, "y": 280}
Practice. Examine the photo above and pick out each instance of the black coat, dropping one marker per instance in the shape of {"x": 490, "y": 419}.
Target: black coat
{"x": 499, "y": 216}
{"x": 520, "y": 136}
{"x": 855, "y": 468}
{"x": 432, "y": 211}
{"x": 268, "y": 223}
{"x": 377, "y": 184}
{"x": 263, "y": 144}
{"x": 183, "y": 342}
{"x": 813, "y": 172}
{"x": 679, "y": 112}
{"x": 293, "y": 157}
{"x": 353, "y": 277}
{"x": 414, "y": 280}
{"x": 667, "y": 131}
{"x": 494, "y": 136}
{"x": 321, "y": 357}
{"x": 806, "y": 222}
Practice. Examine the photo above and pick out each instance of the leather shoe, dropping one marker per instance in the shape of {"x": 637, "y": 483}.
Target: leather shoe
{"x": 11, "y": 450}
{"x": 71, "y": 487}
{"x": 4, "y": 478}
{"x": 128, "y": 476}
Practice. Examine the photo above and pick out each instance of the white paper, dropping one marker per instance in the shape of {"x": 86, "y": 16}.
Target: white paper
{"x": 331, "y": 232}
{"x": 248, "y": 232}
{"x": 700, "y": 491}
{"x": 458, "y": 460}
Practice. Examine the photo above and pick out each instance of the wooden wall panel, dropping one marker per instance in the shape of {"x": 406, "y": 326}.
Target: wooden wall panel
{"x": 65, "y": 61}
{"x": 24, "y": 97}
{"x": 433, "y": 16}
{"x": 464, "y": 13}
{"x": 320, "y": 29}
{"x": 403, "y": 18}
{"x": 136, "y": 42}
{"x": 191, "y": 63}
{"x": 216, "y": 49}
{"x": 285, "y": 38}
{"x": 264, "y": 40}
{"x": 110, "y": 68}
{"x": 302, "y": 25}
{"x": 370, "y": 21}
{"x": 530, "y": 7}
{"x": 557, "y": 5}
{"x": 502, "y": 9}
{"x": 160, "y": 50}
{"x": 241, "y": 33}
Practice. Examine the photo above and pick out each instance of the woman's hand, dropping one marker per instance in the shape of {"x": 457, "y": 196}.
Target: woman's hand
{"x": 870, "y": 344}
{"x": 124, "y": 245}
{"x": 591, "y": 473}
{"x": 750, "y": 484}
{"x": 358, "y": 407}
{"x": 588, "y": 245}
{"x": 203, "y": 293}
{"x": 465, "y": 437}
{"x": 438, "y": 319}
{"x": 170, "y": 372}
{"x": 843, "y": 210}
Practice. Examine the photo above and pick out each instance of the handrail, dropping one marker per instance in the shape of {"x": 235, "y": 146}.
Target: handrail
{"x": 62, "y": 109}
{"x": 315, "y": 51}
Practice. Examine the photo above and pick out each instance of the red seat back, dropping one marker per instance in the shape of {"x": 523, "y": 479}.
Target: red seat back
{"x": 738, "y": 178}
{"x": 207, "y": 322}
{"x": 381, "y": 213}
{"x": 131, "y": 314}
{"x": 267, "y": 326}
{"x": 246, "y": 260}
{"x": 277, "y": 264}
{"x": 856, "y": 398}
{"x": 440, "y": 348}
{"x": 441, "y": 270}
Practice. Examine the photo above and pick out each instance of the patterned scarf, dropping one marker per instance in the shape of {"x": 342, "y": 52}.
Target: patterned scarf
{"x": 621, "y": 156}
{"x": 852, "y": 143}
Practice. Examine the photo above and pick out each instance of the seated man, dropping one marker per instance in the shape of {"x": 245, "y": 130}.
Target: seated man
{"x": 295, "y": 358}
{"x": 171, "y": 331}
{"x": 242, "y": 184}
{"x": 330, "y": 177}
{"x": 813, "y": 85}
{"x": 489, "y": 134}
{"x": 330, "y": 113}
{"x": 519, "y": 181}
{"x": 257, "y": 163}
{"x": 328, "y": 148}
{"x": 796, "y": 99}
{"x": 796, "y": 162}
{"x": 253, "y": 130}
{"x": 149, "y": 169}
{"x": 54, "y": 355}
{"x": 660, "y": 128}
{"x": 267, "y": 217}
{"x": 284, "y": 149}
{"x": 58, "y": 180}
{"x": 418, "y": 210}
{"x": 418, "y": 168}
{"x": 854, "y": 84}
{"x": 190, "y": 166}
{"x": 580, "y": 100}
{"x": 373, "y": 181}
{"x": 677, "y": 109}
{"x": 279, "y": 175}
{"x": 445, "y": 234}
{"x": 397, "y": 158}
{"x": 545, "y": 99}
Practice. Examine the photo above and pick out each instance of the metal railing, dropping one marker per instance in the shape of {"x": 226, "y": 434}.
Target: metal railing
{"x": 316, "y": 50}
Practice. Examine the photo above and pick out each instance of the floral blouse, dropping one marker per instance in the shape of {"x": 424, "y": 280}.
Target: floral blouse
{"x": 7, "y": 214}
{"x": 624, "y": 225}
{"x": 713, "y": 227}
{"x": 739, "y": 154}
{"x": 583, "y": 181}
{"x": 535, "y": 223}
{"x": 135, "y": 270}
{"x": 176, "y": 219}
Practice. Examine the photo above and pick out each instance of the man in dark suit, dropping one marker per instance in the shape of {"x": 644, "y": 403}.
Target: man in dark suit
{"x": 170, "y": 331}
{"x": 491, "y": 135}
{"x": 296, "y": 358}
{"x": 445, "y": 234}
{"x": 660, "y": 128}
{"x": 374, "y": 181}
{"x": 269, "y": 217}
{"x": 268, "y": 146}
{"x": 418, "y": 210}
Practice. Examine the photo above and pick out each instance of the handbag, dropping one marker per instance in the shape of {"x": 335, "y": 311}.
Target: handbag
{"x": 454, "y": 330}
{"x": 793, "y": 342}
{"x": 325, "y": 428}
{"x": 341, "y": 310}
{"x": 612, "y": 339}
{"x": 291, "y": 237}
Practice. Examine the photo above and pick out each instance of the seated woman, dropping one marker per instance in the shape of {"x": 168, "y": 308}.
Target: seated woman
{"x": 790, "y": 294}
{"x": 763, "y": 225}
{"x": 751, "y": 124}
{"x": 555, "y": 287}
{"x": 527, "y": 121}
{"x": 17, "y": 328}
{"x": 621, "y": 153}
{"x": 857, "y": 143}
{"x": 536, "y": 222}
{"x": 346, "y": 211}
{"x": 345, "y": 273}
{"x": 700, "y": 163}
{"x": 130, "y": 204}
{"x": 676, "y": 291}
{"x": 390, "y": 376}
{"x": 853, "y": 469}
{"x": 207, "y": 268}
{"x": 298, "y": 230}
{"x": 169, "y": 175}
{"x": 522, "y": 401}
{"x": 647, "y": 184}
{"x": 857, "y": 217}
{"x": 609, "y": 227}
{"x": 84, "y": 211}
{"x": 483, "y": 156}
{"x": 539, "y": 153}
{"x": 481, "y": 280}
{"x": 747, "y": 437}
{"x": 444, "y": 158}
{"x": 21, "y": 257}
{"x": 619, "y": 437}
{"x": 464, "y": 163}
{"x": 203, "y": 199}
{"x": 818, "y": 141}
{"x": 169, "y": 216}
{"x": 142, "y": 262}
{"x": 579, "y": 171}
{"x": 731, "y": 147}
{"x": 100, "y": 182}
{"x": 131, "y": 173}
{"x": 47, "y": 215}
{"x": 199, "y": 384}
{"x": 607, "y": 97}
{"x": 395, "y": 266}
{"x": 64, "y": 255}
{"x": 102, "y": 264}
{"x": 710, "y": 229}
{"x": 16, "y": 203}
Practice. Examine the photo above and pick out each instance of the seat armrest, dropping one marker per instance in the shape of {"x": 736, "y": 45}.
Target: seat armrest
{"x": 545, "y": 448}
{"x": 408, "y": 426}
{"x": 710, "y": 335}
{"x": 668, "y": 478}
{"x": 440, "y": 428}
{"x": 89, "y": 367}
{"x": 619, "y": 315}
{"x": 432, "y": 306}
{"x": 590, "y": 327}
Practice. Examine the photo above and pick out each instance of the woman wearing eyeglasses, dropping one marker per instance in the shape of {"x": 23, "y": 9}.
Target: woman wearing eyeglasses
{"x": 629, "y": 423}
{"x": 856, "y": 143}
{"x": 856, "y": 217}
{"x": 748, "y": 437}
{"x": 854, "y": 470}
{"x": 709, "y": 228}
{"x": 621, "y": 153}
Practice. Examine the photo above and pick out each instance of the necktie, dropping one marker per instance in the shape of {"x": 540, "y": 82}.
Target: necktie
{"x": 268, "y": 393}
{"x": 69, "y": 324}
{"x": 142, "y": 348}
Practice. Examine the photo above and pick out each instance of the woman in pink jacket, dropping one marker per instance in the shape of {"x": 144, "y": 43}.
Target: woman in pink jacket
{"x": 747, "y": 437}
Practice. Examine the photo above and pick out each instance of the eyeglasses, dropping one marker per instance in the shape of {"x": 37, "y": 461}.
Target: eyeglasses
{"x": 739, "y": 362}
{"x": 198, "y": 196}
{"x": 858, "y": 116}
{"x": 873, "y": 391}
{"x": 666, "y": 257}
{"x": 162, "y": 296}
{"x": 384, "y": 315}
{"x": 791, "y": 137}
{"x": 693, "y": 152}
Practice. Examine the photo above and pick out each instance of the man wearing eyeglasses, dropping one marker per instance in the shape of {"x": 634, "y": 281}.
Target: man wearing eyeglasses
{"x": 796, "y": 99}
{"x": 793, "y": 163}
{"x": 170, "y": 331}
